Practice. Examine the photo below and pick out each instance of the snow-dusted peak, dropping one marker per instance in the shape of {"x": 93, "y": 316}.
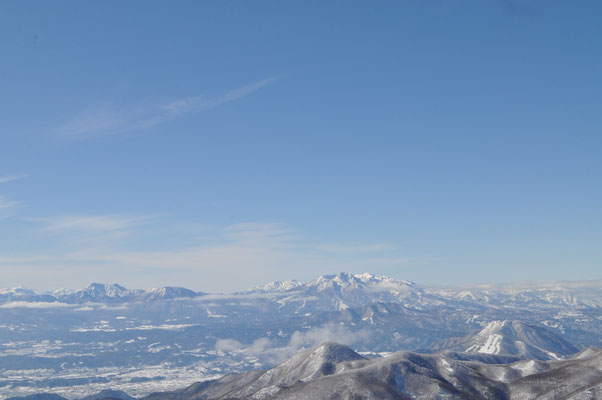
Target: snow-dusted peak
{"x": 22, "y": 294}
{"x": 109, "y": 290}
{"x": 63, "y": 292}
{"x": 325, "y": 352}
{"x": 515, "y": 338}
{"x": 342, "y": 280}
{"x": 349, "y": 281}
{"x": 310, "y": 364}
{"x": 277, "y": 286}
{"x": 96, "y": 292}
{"x": 379, "y": 279}
{"x": 169, "y": 292}
{"x": 346, "y": 290}
{"x": 18, "y": 291}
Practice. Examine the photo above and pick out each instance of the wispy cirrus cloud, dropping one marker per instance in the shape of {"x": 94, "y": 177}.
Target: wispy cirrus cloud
{"x": 109, "y": 121}
{"x": 10, "y": 178}
{"x": 91, "y": 223}
{"x": 4, "y": 202}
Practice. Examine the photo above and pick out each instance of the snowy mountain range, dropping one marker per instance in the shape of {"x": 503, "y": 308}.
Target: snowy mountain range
{"x": 345, "y": 290}
{"x": 97, "y": 292}
{"x": 78, "y": 342}
{"x": 344, "y": 287}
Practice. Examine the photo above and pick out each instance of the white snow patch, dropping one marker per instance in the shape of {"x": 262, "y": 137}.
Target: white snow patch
{"x": 492, "y": 345}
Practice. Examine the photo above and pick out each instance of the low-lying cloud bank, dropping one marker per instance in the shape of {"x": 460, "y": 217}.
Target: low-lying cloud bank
{"x": 274, "y": 352}
{"x": 35, "y": 304}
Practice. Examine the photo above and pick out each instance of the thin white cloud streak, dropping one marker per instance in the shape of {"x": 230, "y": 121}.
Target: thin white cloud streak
{"x": 114, "y": 121}
{"x": 9, "y": 178}
{"x": 4, "y": 202}
{"x": 37, "y": 304}
{"x": 91, "y": 223}
{"x": 96, "y": 123}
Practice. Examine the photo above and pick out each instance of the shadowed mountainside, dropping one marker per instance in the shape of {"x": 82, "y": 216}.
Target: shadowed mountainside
{"x": 333, "y": 371}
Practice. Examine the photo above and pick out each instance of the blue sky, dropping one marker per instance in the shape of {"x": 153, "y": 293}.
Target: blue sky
{"x": 219, "y": 145}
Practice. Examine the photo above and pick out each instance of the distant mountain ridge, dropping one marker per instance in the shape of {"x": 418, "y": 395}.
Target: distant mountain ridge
{"x": 98, "y": 293}
{"x": 578, "y": 294}
{"x": 143, "y": 340}
{"x": 346, "y": 290}
{"x": 341, "y": 291}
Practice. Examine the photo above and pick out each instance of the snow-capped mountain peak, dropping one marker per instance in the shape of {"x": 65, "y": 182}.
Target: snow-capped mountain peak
{"x": 307, "y": 364}
{"x": 22, "y": 294}
{"x": 18, "y": 291}
{"x": 343, "y": 281}
{"x": 96, "y": 292}
{"x": 62, "y": 292}
{"x": 349, "y": 281}
{"x": 169, "y": 292}
{"x": 276, "y": 286}
{"x": 109, "y": 290}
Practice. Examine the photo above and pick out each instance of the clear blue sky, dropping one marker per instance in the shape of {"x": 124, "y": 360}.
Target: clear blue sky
{"x": 222, "y": 144}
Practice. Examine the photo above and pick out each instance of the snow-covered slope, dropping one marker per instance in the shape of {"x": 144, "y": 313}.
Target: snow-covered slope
{"x": 168, "y": 293}
{"x": 310, "y": 364}
{"x": 307, "y": 365}
{"x": 332, "y": 371}
{"x": 512, "y": 338}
